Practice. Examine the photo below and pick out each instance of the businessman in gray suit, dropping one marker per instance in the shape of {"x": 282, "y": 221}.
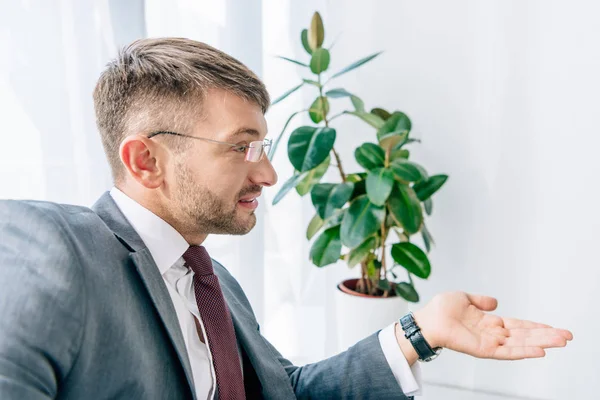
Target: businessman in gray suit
{"x": 122, "y": 301}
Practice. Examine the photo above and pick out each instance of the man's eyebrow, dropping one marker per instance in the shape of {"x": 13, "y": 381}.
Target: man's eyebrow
{"x": 243, "y": 131}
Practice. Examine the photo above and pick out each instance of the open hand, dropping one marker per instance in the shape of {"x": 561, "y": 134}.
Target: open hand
{"x": 458, "y": 321}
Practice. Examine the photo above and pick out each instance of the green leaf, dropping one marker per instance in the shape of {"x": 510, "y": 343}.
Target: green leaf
{"x": 319, "y": 109}
{"x": 427, "y": 238}
{"x": 276, "y": 143}
{"x": 362, "y": 220}
{"x": 428, "y": 205}
{"x": 399, "y": 153}
{"x": 304, "y": 39}
{"x": 411, "y": 140}
{"x": 405, "y": 208}
{"x": 356, "y": 177}
{"x": 309, "y": 146}
{"x": 359, "y": 105}
{"x": 338, "y": 93}
{"x": 355, "y": 65}
{"x": 335, "y": 219}
{"x": 327, "y": 247}
{"x": 315, "y": 224}
{"x": 380, "y": 182}
{"x": 371, "y": 119}
{"x": 427, "y": 188}
{"x": 286, "y": 94}
{"x": 380, "y": 112}
{"x": 312, "y": 177}
{"x": 311, "y": 82}
{"x": 372, "y": 270}
{"x": 390, "y": 140}
{"x": 394, "y": 131}
{"x": 412, "y": 258}
{"x": 397, "y": 122}
{"x": 327, "y": 197}
{"x": 287, "y": 186}
{"x": 360, "y": 188}
{"x": 406, "y": 171}
{"x": 359, "y": 253}
{"x": 316, "y": 34}
{"x": 369, "y": 156}
{"x": 406, "y": 291}
{"x": 319, "y": 61}
{"x": 293, "y": 61}
{"x": 384, "y": 284}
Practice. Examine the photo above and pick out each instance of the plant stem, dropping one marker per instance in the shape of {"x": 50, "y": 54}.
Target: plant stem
{"x": 337, "y": 115}
{"x": 337, "y": 157}
{"x": 387, "y": 156}
{"x": 339, "y": 165}
{"x": 383, "y": 257}
{"x": 365, "y": 282}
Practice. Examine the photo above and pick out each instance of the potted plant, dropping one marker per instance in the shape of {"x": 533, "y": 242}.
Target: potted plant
{"x": 368, "y": 217}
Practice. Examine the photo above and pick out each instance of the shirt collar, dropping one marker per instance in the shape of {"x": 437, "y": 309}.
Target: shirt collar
{"x": 164, "y": 242}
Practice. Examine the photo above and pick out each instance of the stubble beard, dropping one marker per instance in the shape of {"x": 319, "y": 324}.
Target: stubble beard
{"x": 202, "y": 211}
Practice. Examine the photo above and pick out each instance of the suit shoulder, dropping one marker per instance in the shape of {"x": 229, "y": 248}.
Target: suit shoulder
{"x": 40, "y": 213}
{"x": 223, "y": 272}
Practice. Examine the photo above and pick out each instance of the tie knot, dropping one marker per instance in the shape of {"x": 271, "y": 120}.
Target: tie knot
{"x": 197, "y": 258}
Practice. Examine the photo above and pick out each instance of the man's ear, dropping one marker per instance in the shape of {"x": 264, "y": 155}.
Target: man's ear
{"x": 144, "y": 160}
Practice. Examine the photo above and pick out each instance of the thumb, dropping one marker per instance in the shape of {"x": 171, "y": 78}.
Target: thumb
{"x": 484, "y": 303}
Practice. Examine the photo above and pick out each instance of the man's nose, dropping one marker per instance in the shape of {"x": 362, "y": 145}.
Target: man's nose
{"x": 264, "y": 174}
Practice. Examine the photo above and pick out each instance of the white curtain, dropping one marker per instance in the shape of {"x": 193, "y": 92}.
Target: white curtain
{"x": 51, "y": 53}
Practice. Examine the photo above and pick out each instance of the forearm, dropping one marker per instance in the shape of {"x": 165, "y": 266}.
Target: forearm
{"x": 428, "y": 333}
{"x": 360, "y": 372}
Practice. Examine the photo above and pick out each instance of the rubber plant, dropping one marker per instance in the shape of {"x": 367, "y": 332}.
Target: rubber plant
{"x": 366, "y": 213}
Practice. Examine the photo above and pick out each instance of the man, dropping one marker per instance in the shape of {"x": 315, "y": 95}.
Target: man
{"x": 121, "y": 301}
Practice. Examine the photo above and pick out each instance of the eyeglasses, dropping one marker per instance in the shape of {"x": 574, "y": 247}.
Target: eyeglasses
{"x": 255, "y": 150}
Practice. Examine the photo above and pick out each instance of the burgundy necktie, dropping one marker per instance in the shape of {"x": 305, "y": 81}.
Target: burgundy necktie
{"x": 217, "y": 324}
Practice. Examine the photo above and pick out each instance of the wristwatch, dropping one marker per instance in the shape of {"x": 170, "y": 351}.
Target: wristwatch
{"x": 413, "y": 333}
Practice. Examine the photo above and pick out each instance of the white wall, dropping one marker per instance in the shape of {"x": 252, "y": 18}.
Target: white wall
{"x": 504, "y": 95}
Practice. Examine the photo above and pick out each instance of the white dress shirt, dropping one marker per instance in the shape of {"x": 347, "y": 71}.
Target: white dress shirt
{"x": 167, "y": 246}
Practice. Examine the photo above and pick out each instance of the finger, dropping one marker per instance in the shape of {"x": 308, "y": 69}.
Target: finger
{"x": 540, "y": 332}
{"x": 512, "y": 323}
{"x": 517, "y": 353}
{"x": 484, "y": 303}
{"x": 543, "y": 341}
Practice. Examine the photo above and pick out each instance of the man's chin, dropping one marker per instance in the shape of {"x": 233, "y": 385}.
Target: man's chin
{"x": 244, "y": 225}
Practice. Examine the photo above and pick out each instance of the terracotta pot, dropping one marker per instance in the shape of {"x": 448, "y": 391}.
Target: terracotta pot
{"x": 359, "y": 315}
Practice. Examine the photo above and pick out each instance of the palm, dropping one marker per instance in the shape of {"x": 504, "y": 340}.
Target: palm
{"x": 468, "y": 329}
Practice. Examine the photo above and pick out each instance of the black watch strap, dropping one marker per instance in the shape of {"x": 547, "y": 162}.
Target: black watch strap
{"x": 413, "y": 333}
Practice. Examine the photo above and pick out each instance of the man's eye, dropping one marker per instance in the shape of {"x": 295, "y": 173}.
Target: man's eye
{"x": 240, "y": 149}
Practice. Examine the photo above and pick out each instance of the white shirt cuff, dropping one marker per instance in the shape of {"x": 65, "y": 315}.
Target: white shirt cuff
{"x": 409, "y": 378}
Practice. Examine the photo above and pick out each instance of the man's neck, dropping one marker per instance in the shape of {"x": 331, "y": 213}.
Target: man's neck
{"x": 160, "y": 210}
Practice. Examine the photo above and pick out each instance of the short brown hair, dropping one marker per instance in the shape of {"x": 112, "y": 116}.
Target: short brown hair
{"x": 159, "y": 84}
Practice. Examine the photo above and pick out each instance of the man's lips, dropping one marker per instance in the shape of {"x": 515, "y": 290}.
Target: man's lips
{"x": 250, "y": 197}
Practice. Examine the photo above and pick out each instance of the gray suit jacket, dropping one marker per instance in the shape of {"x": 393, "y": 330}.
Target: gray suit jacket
{"x": 85, "y": 314}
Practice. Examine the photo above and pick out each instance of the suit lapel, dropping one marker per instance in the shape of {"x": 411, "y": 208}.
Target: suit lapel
{"x": 159, "y": 294}
{"x": 112, "y": 216}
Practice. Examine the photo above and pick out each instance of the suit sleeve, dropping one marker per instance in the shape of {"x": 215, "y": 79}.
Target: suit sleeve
{"x": 41, "y": 306}
{"x": 361, "y": 372}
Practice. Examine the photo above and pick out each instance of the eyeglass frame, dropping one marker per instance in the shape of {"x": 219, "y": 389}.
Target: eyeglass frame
{"x": 264, "y": 144}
